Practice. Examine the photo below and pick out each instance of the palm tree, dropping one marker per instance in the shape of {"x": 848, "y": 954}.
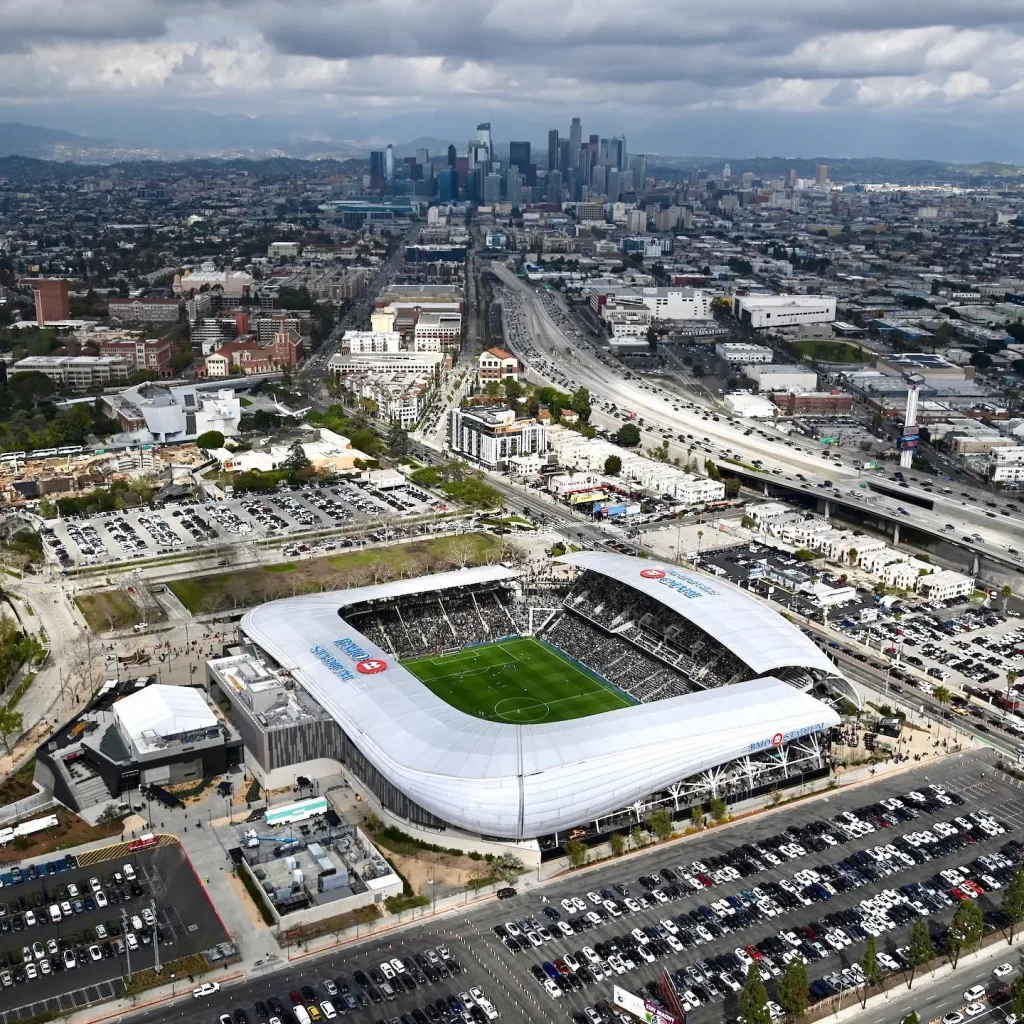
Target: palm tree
{"x": 700, "y": 536}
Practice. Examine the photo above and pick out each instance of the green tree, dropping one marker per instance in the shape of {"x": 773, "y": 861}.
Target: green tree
{"x": 619, "y": 844}
{"x": 697, "y": 817}
{"x": 628, "y": 435}
{"x": 581, "y": 403}
{"x": 612, "y": 465}
{"x": 513, "y": 390}
{"x": 982, "y": 360}
{"x": 365, "y": 440}
{"x": 11, "y": 725}
{"x": 911, "y": 1018}
{"x": 942, "y": 694}
{"x": 732, "y": 488}
{"x": 398, "y": 441}
{"x": 660, "y": 822}
{"x": 638, "y": 837}
{"x": 1005, "y": 592}
{"x": 792, "y": 989}
{"x": 1017, "y": 996}
{"x": 492, "y": 389}
{"x": 920, "y": 950}
{"x": 211, "y": 439}
{"x": 297, "y": 458}
{"x": 711, "y": 470}
{"x": 507, "y": 867}
{"x": 965, "y": 930}
{"x": 719, "y": 810}
{"x": 869, "y": 965}
{"x": 1013, "y": 902}
{"x": 753, "y": 1000}
{"x": 577, "y": 852}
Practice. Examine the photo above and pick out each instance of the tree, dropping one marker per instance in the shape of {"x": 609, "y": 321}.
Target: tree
{"x": 869, "y": 965}
{"x": 1013, "y": 901}
{"x": 628, "y": 435}
{"x": 1017, "y": 996}
{"x": 920, "y": 950}
{"x": 638, "y": 837}
{"x": 513, "y": 390}
{"x": 697, "y": 816}
{"x": 965, "y": 930}
{"x": 852, "y": 555}
{"x": 577, "y": 852}
{"x": 660, "y": 822}
{"x": 211, "y": 439}
{"x": 398, "y": 441}
{"x": 1006, "y": 592}
{"x": 11, "y": 724}
{"x": 942, "y": 694}
{"x": 612, "y": 465}
{"x": 753, "y": 1000}
{"x": 911, "y": 1018}
{"x": 297, "y": 458}
{"x": 732, "y": 488}
{"x": 711, "y": 470}
{"x": 619, "y": 844}
{"x": 792, "y": 989}
{"x": 581, "y": 403}
{"x": 982, "y": 360}
{"x": 652, "y": 339}
{"x": 507, "y": 867}
{"x": 719, "y": 810}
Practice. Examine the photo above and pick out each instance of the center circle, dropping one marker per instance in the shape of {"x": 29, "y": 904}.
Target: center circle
{"x": 521, "y": 709}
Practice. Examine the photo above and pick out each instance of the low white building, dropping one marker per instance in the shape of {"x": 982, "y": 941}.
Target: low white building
{"x": 1006, "y": 465}
{"x": 740, "y": 353}
{"x": 782, "y": 377}
{"x": 371, "y": 341}
{"x": 494, "y": 436}
{"x": 825, "y": 596}
{"x": 436, "y": 331}
{"x": 945, "y": 585}
{"x": 766, "y": 311}
{"x": 751, "y": 407}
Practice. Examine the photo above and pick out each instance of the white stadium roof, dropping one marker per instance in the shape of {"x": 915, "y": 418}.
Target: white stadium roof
{"x": 165, "y": 711}
{"x": 520, "y": 781}
{"x": 757, "y": 635}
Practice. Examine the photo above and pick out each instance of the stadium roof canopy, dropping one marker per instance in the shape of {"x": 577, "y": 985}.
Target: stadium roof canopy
{"x": 501, "y": 779}
{"x": 474, "y": 576}
{"x": 757, "y": 635}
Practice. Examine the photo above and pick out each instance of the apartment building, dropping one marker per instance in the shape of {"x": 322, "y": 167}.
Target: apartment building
{"x": 371, "y": 341}
{"x": 145, "y": 311}
{"x": 496, "y": 364}
{"x": 143, "y": 353}
{"x": 494, "y": 436}
{"x": 78, "y": 373}
{"x": 436, "y": 331}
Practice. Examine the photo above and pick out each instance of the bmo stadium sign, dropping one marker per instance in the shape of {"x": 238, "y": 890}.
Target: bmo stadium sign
{"x": 778, "y": 738}
{"x": 681, "y": 582}
{"x": 362, "y": 660}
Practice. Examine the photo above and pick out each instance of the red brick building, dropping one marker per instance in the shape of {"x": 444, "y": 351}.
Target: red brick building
{"x": 52, "y": 301}
{"x": 143, "y": 353}
{"x": 812, "y": 403}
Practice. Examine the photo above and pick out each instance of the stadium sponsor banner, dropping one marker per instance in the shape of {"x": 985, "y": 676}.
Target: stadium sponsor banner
{"x": 681, "y": 582}
{"x": 363, "y": 661}
{"x": 640, "y": 1008}
{"x": 776, "y": 739}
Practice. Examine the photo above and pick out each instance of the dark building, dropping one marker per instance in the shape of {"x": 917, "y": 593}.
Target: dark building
{"x": 519, "y": 155}
{"x": 553, "y": 149}
{"x": 447, "y": 186}
{"x": 377, "y": 168}
{"x": 451, "y": 156}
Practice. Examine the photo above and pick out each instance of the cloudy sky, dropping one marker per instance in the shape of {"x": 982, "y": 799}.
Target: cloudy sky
{"x": 851, "y": 77}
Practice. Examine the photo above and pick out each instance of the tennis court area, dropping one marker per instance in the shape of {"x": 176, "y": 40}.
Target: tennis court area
{"x": 520, "y": 680}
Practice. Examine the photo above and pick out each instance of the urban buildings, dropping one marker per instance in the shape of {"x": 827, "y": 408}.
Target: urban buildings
{"x": 157, "y": 412}
{"x": 51, "y": 296}
{"x": 493, "y": 437}
{"x": 496, "y": 365}
{"x": 776, "y": 311}
{"x": 150, "y": 310}
{"x": 78, "y": 373}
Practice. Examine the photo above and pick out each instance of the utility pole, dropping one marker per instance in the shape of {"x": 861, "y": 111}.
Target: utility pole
{"x": 127, "y": 951}
{"x": 156, "y": 940}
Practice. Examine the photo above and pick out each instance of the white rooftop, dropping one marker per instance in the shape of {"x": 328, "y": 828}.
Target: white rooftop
{"x": 164, "y": 711}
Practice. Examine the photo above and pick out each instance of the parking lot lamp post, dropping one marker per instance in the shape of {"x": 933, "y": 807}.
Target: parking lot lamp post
{"x": 172, "y": 986}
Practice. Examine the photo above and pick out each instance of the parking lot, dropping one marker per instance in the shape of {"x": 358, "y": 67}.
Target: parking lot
{"x": 67, "y": 934}
{"x": 847, "y": 866}
{"x": 132, "y": 534}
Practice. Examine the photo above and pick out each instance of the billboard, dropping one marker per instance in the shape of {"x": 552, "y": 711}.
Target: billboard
{"x": 640, "y": 1008}
{"x": 908, "y": 442}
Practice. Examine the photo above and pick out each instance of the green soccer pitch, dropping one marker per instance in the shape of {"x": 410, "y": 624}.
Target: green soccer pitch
{"x": 517, "y": 681}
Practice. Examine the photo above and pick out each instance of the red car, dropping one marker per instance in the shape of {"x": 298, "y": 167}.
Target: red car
{"x": 706, "y": 880}
{"x": 958, "y": 894}
{"x": 977, "y": 889}
{"x": 753, "y": 952}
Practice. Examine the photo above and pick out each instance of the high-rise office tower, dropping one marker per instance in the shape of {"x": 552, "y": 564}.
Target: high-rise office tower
{"x": 594, "y": 145}
{"x": 514, "y": 187}
{"x": 613, "y": 152}
{"x": 422, "y": 156}
{"x": 638, "y": 165}
{"x": 554, "y": 186}
{"x": 483, "y": 136}
{"x": 575, "y": 138}
{"x": 563, "y": 156}
{"x": 553, "y": 149}
{"x": 389, "y": 163}
{"x": 599, "y": 179}
{"x": 614, "y": 188}
{"x": 492, "y": 188}
{"x": 519, "y": 155}
{"x": 726, "y": 172}
{"x": 447, "y": 185}
{"x": 821, "y": 175}
{"x": 377, "y": 169}
{"x": 584, "y": 163}
{"x": 791, "y": 178}
{"x": 452, "y": 154}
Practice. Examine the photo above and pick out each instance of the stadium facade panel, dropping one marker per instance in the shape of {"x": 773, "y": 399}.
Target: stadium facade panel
{"x": 522, "y": 781}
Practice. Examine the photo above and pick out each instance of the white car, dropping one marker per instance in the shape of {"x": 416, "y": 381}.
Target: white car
{"x": 1003, "y": 970}
{"x": 974, "y": 1009}
{"x": 386, "y": 970}
{"x": 974, "y": 993}
{"x": 552, "y": 989}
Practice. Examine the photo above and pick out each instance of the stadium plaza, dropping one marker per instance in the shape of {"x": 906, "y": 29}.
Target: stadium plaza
{"x": 498, "y": 709}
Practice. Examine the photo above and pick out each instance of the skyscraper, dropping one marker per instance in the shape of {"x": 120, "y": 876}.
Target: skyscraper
{"x": 821, "y": 175}
{"x": 519, "y": 155}
{"x": 727, "y": 172}
{"x": 492, "y": 188}
{"x": 791, "y": 178}
{"x": 52, "y": 302}
{"x": 514, "y": 187}
{"x": 451, "y": 155}
{"x": 553, "y": 149}
{"x": 584, "y": 163}
{"x": 389, "y": 163}
{"x": 447, "y": 185}
{"x": 483, "y": 136}
{"x": 638, "y": 165}
{"x": 554, "y": 186}
{"x": 563, "y": 156}
{"x": 575, "y": 138}
{"x": 377, "y": 169}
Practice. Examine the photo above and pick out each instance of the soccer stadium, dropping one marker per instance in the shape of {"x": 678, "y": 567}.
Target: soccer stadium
{"x": 485, "y": 701}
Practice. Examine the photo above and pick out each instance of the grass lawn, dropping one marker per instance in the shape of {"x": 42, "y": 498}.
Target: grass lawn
{"x": 108, "y": 609}
{"x": 243, "y": 588}
{"x": 832, "y": 351}
{"x": 519, "y": 681}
